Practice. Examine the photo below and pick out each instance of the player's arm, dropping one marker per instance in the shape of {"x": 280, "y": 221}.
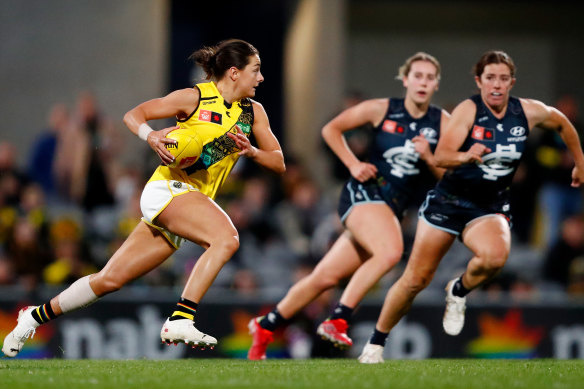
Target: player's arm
{"x": 369, "y": 111}
{"x": 423, "y": 148}
{"x": 269, "y": 153}
{"x": 447, "y": 154}
{"x": 180, "y": 103}
{"x": 544, "y": 116}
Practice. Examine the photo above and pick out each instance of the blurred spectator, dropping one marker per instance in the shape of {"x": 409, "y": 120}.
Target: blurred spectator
{"x": 576, "y": 281}
{"x": 92, "y": 146}
{"x": 557, "y": 199}
{"x": 569, "y": 248}
{"x": 298, "y": 216}
{"x": 245, "y": 282}
{"x": 6, "y": 271}
{"x": 11, "y": 179}
{"x": 42, "y": 166}
{"x": 27, "y": 252}
{"x": 70, "y": 254}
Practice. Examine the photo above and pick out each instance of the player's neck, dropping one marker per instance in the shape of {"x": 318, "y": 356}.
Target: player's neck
{"x": 416, "y": 110}
{"x": 228, "y": 91}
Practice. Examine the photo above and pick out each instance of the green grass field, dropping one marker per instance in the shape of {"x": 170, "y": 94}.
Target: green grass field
{"x": 274, "y": 374}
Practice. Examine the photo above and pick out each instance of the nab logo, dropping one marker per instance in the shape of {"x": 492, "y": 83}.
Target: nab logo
{"x": 393, "y": 127}
{"x": 210, "y": 116}
{"x": 482, "y": 133}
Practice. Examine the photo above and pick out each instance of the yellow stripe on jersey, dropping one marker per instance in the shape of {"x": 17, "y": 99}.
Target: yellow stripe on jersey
{"x": 211, "y": 120}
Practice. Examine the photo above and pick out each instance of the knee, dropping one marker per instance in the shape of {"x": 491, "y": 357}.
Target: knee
{"x": 104, "y": 283}
{"x": 492, "y": 258}
{"x": 323, "y": 281}
{"x": 388, "y": 260}
{"x": 228, "y": 244}
{"x": 415, "y": 282}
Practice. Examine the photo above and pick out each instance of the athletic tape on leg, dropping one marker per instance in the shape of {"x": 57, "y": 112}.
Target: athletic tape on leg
{"x": 78, "y": 295}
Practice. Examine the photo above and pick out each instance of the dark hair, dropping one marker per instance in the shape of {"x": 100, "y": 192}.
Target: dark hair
{"x": 493, "y": 56}
{"x": 217, "y": 59}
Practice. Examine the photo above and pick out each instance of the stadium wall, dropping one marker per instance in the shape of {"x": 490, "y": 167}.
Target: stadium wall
{"x": 127, "y": 326}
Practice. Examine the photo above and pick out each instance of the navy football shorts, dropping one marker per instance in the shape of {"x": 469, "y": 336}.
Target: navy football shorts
{"x": 452, "y": 213}
{"x": 356, "y": 193}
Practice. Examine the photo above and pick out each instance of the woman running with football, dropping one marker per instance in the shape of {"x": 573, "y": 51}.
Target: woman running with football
{"x": 406, "y": 132}
{"x": 481, "y": 147}
{"x": 178, "y": 203}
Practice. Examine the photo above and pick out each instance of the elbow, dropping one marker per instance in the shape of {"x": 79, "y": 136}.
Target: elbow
{"x": 127, "y": 119}
{"x": 439, "y": 160}
{"x": 281, "y": 169}
{"x": 325, "y": 132}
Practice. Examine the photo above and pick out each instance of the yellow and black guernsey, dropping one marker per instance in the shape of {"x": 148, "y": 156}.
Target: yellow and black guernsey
{"x": 212, "y": 119}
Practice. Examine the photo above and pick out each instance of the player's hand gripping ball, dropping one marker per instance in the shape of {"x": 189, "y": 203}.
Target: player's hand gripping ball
{"x": 187, "y": 149}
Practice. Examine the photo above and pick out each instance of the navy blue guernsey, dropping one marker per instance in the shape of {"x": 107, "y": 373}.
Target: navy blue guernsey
{"x": 392, "y": 150}
{"x": 489, "y": 182}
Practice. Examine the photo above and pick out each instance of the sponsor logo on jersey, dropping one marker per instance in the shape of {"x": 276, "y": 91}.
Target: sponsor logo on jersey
{"x": 430, "y": 134}
{"x": 396, "y": 115}
{"x": 393, "y": 127}
{"x": 438, "y": 217}
{"x": 245, "y": 128}
{"x": 517, "y": 131}
{"x": 210, "y": 116}
{"x": 482, "y": 133}
{"x": 482, "y": 119}
{"x": 208, "y": 102}
{"x": 519, "y": 134}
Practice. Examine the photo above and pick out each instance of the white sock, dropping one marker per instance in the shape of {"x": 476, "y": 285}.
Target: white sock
{"x": 76, "y": 296}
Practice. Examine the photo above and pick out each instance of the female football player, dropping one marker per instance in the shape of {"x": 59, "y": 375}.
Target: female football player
{"x": 481, "y": 148}
{"x": 178, "y": 204}
{"x": 406, "y": 131}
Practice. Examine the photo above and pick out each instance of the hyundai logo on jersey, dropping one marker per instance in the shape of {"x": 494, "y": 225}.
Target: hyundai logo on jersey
{"x": 517, "y": 131}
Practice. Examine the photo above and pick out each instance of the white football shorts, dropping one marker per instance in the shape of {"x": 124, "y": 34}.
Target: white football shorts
{"x": 155, "y": 198}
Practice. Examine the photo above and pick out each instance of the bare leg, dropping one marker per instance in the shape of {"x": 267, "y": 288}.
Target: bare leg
{"x": 430, "y": 245}
{"x": 145, "y": 249}
{"x": 489, "y": 238}
{"x": 376, "y": 228}
{"x": 340, "y": 262}
{"x": 199, "y": 219}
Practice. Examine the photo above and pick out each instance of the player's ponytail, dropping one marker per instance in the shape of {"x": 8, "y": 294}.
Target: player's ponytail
{"x": 216, "y": 60}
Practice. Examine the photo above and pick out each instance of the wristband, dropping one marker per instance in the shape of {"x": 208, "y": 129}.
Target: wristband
{"x": 143, "y": 131}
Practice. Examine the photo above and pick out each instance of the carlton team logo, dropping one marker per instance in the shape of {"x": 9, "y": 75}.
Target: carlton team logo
{"x": 482, "y": 133}
{"x": 210, "y": 116}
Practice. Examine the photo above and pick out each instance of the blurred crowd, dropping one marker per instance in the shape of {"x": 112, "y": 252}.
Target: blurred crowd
{"x": 73, "y": 202}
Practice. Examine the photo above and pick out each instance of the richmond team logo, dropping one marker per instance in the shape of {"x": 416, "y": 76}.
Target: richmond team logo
{"x": 499, "y": 163}
{"x": 403, "y": 159}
